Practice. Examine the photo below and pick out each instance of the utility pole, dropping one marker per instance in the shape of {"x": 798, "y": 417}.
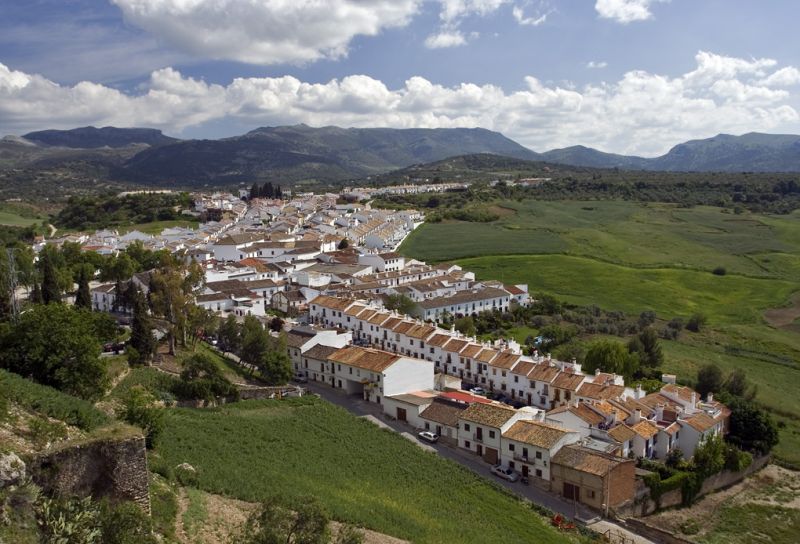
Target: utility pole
{"x": 12, "y": 284}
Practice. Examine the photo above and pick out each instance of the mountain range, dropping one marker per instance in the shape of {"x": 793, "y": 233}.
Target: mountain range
{"x": 293, "y": 154}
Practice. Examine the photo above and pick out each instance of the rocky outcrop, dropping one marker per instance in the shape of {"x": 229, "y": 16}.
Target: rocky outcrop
{"x": 110, "y": 468}
{"x": 12, "y": 469}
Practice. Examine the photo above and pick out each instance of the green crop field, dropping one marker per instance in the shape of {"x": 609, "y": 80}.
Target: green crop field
{"x": 364, "y": 475}
{"x": 630, "y": 256}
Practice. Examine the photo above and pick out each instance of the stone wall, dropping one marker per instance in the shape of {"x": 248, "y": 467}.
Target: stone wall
{"x": 109, "y": 468}
{"x": 653, "y": 533}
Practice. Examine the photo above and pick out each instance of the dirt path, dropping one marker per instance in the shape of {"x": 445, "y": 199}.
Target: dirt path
{"x": 183, "y": 504}
{"x": 786, "y": 316}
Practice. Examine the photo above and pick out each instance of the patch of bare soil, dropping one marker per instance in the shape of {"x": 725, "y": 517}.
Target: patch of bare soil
{"x": 786, "y": 316}
{"x": 773, "y": 485}
{"x": 226, "y": 517}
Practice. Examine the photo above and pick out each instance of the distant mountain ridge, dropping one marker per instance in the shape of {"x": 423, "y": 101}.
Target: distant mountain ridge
{"x": 297, "y": 154}
{"x": 92, "y": 138}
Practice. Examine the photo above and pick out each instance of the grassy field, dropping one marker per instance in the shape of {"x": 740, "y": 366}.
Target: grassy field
{"x": 633, "y": 257}
{"x": 364, "y": 475}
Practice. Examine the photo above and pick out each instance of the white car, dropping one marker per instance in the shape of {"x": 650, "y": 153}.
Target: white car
{"x": 478, "y": 391}
{"x": 506, "y": 473}
{"x": 428, "y": 436}
{"x": 300, "y": 377}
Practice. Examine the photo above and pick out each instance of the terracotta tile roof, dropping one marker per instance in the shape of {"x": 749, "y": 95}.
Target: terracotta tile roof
{"x": 439, "y": 340}
{"x": 602, "y": 378}
{"x": 523, "y": 368}
{"x": 332, "y": 303}
{"x": 379, "y": 318}
{"x": 471, "y": 351}
{"x": 353, "y": 310}
{"x": 366, "y": 314}
{"x": 463, "y": 396}
{"x": 654, "y": 399}
{"x": 645, "y": 428}
{"x": 536, "y": 433}
{"x": 610, "y": 407}
{"x": 567, "y": 380}
{"x": 455, "y": 345}
{"x": 586, "y": 460}
{"x": 366, "y": 358}
{"x": 621, "y": 433}
{"x": 403, "y": 326}
{"x": 487, "y": 355}
{"x": 391, "y": 323}
{"x": 701, "y": 421}
{"x": 443, "y": 412}
{"x": 601, "y": 392}
{"x": 672, "y": 428}
{"x": 421, "y": 331}
{"x": 544, "y": 373}
{"x": 491, "y": 415}
{"x": 319, "y": 352}
{"x": 505, "y": 360}
{"x": 684, "y": 393}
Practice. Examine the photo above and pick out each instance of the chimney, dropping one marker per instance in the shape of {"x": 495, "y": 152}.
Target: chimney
{"x": 596, "y": 371}
{"x": 694, "y": 399}
{"x": 639, "y": 392}
{"x": 659, "y": 412}
{"x": 637, "y": 416}
{"x": 710, "y": 397}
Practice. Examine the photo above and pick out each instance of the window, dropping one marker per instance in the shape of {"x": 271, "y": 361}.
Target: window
{"x": 351, "y": 370}
{"x": 431, "y": 350}
{"x": 516, "y": 379}
{"x": 491, "y": 434}
{"x": 511, "y": 447}
{"x": 591, "y": 493}
{"x": 427, "y": 426}
{"x": 466, "y": 426}
{"x": 538, "y": 473}
{"x": 538, "y": 455}
{"x": 466, "y": 444}
{"x": 525, "y": 452}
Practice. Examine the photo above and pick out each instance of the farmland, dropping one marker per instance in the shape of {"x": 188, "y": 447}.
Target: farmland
{"x": 628, "y": 256}
{"x": 254, "y": 449}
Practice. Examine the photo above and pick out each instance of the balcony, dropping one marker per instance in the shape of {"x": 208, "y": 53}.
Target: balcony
{"x": 523, "y": 458}
{"x": 477, "y": 438}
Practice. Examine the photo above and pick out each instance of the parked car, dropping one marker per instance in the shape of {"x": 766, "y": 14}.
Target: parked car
{"x": 300, "y": 377}
{"x": 506, "y": 473}
{"x": 428, "y": 436}
{"x": 478, "y": 391}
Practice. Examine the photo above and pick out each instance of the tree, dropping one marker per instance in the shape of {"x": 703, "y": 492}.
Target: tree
{"x": 647, "y": 346}
{"x": 696, "y": 322}
{"x": 750, "y": 427}
{"x": 83, "y": 297}
{"x": 201, "y": 322}
{"x": 709, "y": 456}
{"x": 55, "y": 345}
{"x": 737, "y": 385}
{"x": 140, "y": 409}
{"x": 201, "y": 378}
{"x": 276, "y": 367}
{"x": 51, "y": 290}
{"x": 230, "y": 335}
{"x": 37, "y": 297}
{"x": 400, "y": 303}
{"x": 255, "y": 342}
{"x": 709, "y": 380}
{"x": 254, "y": 191}
{"x": 275, "y": 523}
{"x": 610, "y": 356}
{"x": 142, "y": 340}
{"x": 465, "y": 325}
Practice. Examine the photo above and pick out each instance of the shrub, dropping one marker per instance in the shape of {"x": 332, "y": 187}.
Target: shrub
{"x": 140, "y": 410}
{"x": 719, "y": 271}
{"x": 696, "y": 322}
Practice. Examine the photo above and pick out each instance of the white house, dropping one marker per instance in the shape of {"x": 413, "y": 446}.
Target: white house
{"x": 480, "y": 428}
{"x": 529, "y": 445}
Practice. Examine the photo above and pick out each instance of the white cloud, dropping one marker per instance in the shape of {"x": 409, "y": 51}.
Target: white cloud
{"x": 642, "y": 113}
{"x": 785, "y": 77}
{"x": 625, "y": 11}
{"x": 451, "y": 15}
{"x": 596, "y": 64}
{"x": 446, "y": 38}
{"x": 266, "y": 32}
{"x": 535, "y": 20}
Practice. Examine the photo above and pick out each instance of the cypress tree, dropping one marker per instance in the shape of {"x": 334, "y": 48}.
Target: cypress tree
{"x": 51, "y": 292}
{"x": 83, "y": 298}
{"x": 36, "y": 294}
{"x": 142, "y": 339}
{"x": 254, "y": 192}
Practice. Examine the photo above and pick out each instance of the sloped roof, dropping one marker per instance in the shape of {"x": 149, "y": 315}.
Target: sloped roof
{"x": 536, "y": 433}
{"x": 585, "y": 460}
{"x": 621, "y": 433}
{"x": 443, "y": 412}
{"x": 366, "y": 358}
{"x": 491, "y": 415}
{"x": 700, "y": 421}
{"x": 320, "y": 352}
{"x": 645, "y": 428}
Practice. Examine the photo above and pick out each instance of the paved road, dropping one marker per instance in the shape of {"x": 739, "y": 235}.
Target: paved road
{"x": 555, "y": 503}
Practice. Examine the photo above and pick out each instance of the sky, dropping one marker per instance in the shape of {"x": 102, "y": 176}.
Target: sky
{"x": 622, "y": 76}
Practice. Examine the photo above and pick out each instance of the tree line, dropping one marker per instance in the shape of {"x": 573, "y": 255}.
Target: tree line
{"x": 266, "y": 191}
{"x": 105, "y": 211}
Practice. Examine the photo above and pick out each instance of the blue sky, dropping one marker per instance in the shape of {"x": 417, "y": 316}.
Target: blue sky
{"x": 628, "y": 76}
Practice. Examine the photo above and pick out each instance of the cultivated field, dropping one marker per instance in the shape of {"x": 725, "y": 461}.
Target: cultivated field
{"x": 632, "y": 257}
{"x": 364, "y": 475}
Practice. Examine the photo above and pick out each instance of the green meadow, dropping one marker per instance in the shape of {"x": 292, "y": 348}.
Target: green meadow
{"x": 364, "y": 475}
{"x": 629, "y": 256}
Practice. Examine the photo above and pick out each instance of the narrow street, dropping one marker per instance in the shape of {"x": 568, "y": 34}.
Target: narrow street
{"x": 538, "y": 496}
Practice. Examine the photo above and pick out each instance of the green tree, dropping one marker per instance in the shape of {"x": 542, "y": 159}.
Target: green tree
{"x": 610, "y": 356}
{"x": 400, "y": 303}
{"x": 737, "y": 385}
{"x": 275, "y": 523}
{"x": 276, "y": 367}
{"x": 709, "y": 380}
{"x": 37, "y": 297}
{"x": 142, "y": 340}
{"x": 83, "y": 297}
{"x": 51, "y": 290}
{"x": 750, "y": 427}
{"x": 696, "y": 322}
{"x": 202, "y": 379}
{"x": 55, "y": 345}
{"x": 255, "y": 342}
{"x": 465, "y": 325}
{"x": 125, "y": 523}
{"x": 140, "y": 409}
{"x": 229, "y": 334}
{"x": 709, "y": 456}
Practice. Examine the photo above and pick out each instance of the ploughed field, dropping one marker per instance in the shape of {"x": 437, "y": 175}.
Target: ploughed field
{"x": 374, "y": 478}
{"x": 739, "y": 270}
